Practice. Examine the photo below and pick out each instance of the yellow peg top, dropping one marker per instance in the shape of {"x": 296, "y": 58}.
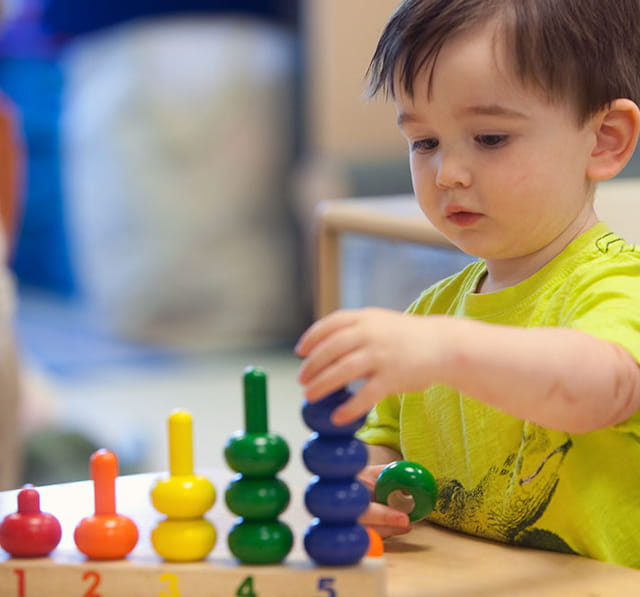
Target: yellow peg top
{"x": 180, "y": 443}
{"x": 182, "y": 495}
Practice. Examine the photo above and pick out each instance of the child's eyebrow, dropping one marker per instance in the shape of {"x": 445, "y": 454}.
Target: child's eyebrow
{"x": 479, "y": 110}
{"x": 494, "y": 110}
{"x": 404, "y": 117}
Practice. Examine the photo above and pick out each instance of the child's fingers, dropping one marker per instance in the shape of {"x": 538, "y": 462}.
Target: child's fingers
{"x": 385, "y": 532}
{"x": 326, "y": 352}
{"x": 360, "y": 403}
{"x": 321, "y": 329}
{"x": 389, "y": 520}
{"x": 369, "y": 475}
{"x": 336, "y": 375}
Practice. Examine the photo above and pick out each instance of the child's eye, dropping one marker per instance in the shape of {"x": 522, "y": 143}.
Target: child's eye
{"x": 491, "y": 141}
{"x": 424, "y": 145}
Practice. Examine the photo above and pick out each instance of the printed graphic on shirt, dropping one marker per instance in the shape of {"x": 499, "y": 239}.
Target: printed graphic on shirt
{"x": 612, "y": 242}
{"x": 510, "y": 498}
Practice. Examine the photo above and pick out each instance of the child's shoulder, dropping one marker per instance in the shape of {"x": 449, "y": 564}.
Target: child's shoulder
{"x": 605, "y": 253}
{"x": 607, "y": 266}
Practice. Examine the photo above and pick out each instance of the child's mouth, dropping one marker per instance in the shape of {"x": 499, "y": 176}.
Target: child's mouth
{"x": 464, "y": 218}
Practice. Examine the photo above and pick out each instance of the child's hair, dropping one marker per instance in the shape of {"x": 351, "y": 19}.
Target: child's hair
{"x": 585, "y": 52}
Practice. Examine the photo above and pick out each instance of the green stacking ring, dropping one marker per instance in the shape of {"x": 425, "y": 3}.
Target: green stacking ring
{"x": 411, "y": 478}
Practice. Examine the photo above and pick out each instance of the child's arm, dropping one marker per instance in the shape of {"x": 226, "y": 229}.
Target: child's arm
{"x": 559, "y": 378}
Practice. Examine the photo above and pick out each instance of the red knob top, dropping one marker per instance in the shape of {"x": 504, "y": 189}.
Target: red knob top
{"x": 29, "y": 533}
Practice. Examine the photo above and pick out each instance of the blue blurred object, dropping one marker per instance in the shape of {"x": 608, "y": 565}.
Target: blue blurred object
{"x": 74, "y": 17}
{"x": 30, "y": 75}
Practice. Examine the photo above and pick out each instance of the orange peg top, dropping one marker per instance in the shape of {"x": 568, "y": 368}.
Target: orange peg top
{"x": 106, "y": 535}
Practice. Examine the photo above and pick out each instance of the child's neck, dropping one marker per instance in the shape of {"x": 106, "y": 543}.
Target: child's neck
{"x": 504, "y": 273}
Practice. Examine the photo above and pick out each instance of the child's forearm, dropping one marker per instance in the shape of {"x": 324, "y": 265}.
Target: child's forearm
{"x": 557, "y": 377}
{"x": 560, "y": 378}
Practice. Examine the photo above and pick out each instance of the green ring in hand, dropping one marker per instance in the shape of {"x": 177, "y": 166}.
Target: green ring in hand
{"x": 412, "y": 478}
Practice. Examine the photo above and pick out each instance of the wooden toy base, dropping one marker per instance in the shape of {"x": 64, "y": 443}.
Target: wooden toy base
{"x": 68, "y": 573}
{"x": 150, "y": 577}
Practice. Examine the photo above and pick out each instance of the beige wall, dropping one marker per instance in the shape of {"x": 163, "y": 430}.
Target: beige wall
{"x": 342, "y": 36}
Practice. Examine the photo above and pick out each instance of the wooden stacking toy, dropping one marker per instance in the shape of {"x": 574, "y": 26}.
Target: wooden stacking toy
{"x": 177, "y": 554}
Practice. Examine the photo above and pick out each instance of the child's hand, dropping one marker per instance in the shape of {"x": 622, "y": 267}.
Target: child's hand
{"x": 385, "y": 520}
{"x": 390, "y": 351}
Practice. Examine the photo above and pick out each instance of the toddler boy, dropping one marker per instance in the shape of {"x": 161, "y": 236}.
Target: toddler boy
{"x": 517, "y": 380}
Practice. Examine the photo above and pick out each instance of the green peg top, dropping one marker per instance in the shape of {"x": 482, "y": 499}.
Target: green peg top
{"x": 255, "y": 400}
{"x": 256, "y": 452}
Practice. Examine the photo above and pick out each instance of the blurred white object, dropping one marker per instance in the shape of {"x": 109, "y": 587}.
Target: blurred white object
{"x": 7, "y": 296}
{"x": 177, "y": 144}
{"x": 10, "y": 394}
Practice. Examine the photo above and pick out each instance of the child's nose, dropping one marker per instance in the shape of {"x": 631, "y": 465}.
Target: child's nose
{"x": 452, "y": 172}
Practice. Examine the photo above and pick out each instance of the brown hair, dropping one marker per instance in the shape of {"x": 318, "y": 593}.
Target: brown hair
{"x": 586, "y": 52}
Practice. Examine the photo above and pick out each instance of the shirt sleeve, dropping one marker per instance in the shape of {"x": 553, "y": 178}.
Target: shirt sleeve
{"x": 382, "y": 427}
{"x": 608, "y": 305}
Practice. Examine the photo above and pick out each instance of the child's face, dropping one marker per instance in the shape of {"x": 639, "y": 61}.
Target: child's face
{"x": 495, "y": 167}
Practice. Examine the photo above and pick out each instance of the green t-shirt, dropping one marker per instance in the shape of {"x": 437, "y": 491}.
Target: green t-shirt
{"x": 510, "y": 480}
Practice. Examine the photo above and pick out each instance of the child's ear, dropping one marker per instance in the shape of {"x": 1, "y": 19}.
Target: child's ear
{"x": 617, "y": 129}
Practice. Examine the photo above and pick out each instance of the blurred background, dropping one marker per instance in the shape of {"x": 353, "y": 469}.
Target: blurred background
{"x": 169, "y": 155}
